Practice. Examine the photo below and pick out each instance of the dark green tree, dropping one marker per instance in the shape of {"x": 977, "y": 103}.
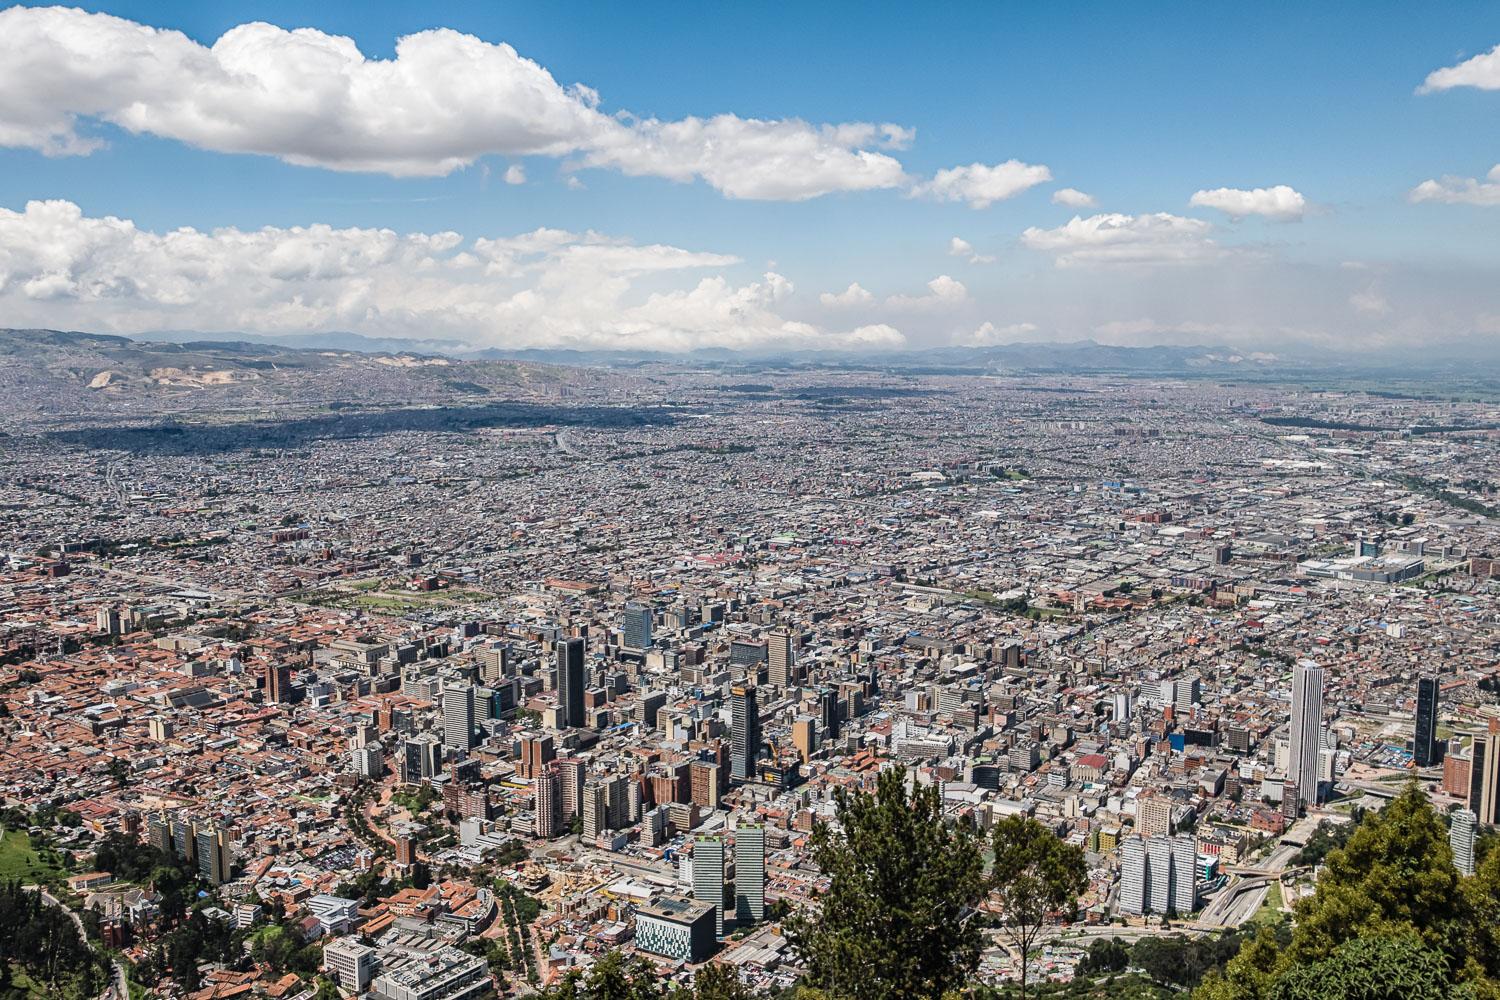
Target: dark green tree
{"x": 718, "y": 981}
{"x": 898, "y": 920}
{"x": 1035, "y": 876}
{"x": 610, "y": 978}
{"x": 1105, "y": 955}
{"x": 1372, "y": 969}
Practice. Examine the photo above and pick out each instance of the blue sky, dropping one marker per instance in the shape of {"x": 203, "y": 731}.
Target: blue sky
{"x": 1138, "y": 107}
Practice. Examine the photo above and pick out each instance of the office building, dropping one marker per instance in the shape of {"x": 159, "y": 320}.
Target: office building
{"x": 444, "y": 974}
{"x": 367, "y": 761}
{"x": 637, "y": 630}
{"x": 1159, "y": 877}
{"x": 421, "y": 757}
{"x": 805, "y": 736}
{"x": 1484, "y": 775}
{"x": 215, "y": 861}
{"x": 571, "y": 683}
{"x": 494, "y": 663}
{"x": 1462, "y": 832}
{"x": 595, "y": 809}
{"x": 350, "y": 964}
{"x": 705, "y": 787}
{"x": 1153, "y": 817}
{"x": 458, "y": 718}
{"x": 547, "y": 792}
{"x": 1306, "y": 730}
{"x": 745, "y": 735}
{"x": 708, "y": 877}
{"x": 783, "y": 657}
{"x": 676, "y": 928}
{"x": 278, "y": 683}
{"x": 571, "y": 772}
{"x": 1426, "y": 751}
{"x": 749, "y": 873}
{"x": 536, "y": 753}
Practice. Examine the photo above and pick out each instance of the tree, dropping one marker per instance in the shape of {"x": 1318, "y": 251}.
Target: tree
{"x": 421, "y": 875}
{"x": 717, "y": 981}
{"x": 611, "y": 978}
{"x": 1105, "y": 955}
{"x": 898, "y": 918}
{"x": 1372, "y": 969}
{"x": 1394, "y": 875}
{"x": 1034, "y": 875}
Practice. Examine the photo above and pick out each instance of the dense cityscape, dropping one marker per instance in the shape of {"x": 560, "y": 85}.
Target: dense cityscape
{"x": 423, "y": 709}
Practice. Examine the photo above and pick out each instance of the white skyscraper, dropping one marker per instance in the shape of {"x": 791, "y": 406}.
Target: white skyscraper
{"x": 1306, "y": 721}
{"x": 1184, "y": 874}
{"x": 1133, "y": 890}
{"x": 1159, "y": 879}
{"x": 458, "y": 717}
{"x": 1461, "y": 838}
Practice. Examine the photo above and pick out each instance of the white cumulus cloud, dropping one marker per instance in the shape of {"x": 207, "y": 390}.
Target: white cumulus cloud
{"x": 1280, "y": 203}
{"x": 547, "y": 288}
{"x": 980, "y": 185}
{"x": 854, "y": 295}
{"x": 1482, "y": 71}
{"x": 943, "y": 293}
{"x": 445, "y": 100}
{"x": 515, "y": 174}
{"x": 1158, "y": 238}
{"x": 1460, "y": 190}
{"x": 1074, "y": 198}
{"x": 963, "y": 248}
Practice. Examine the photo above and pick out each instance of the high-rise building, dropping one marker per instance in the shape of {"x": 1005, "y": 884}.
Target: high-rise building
{"x": 536, "y": 753}
{"x": 783, "y": 657}
{"x": 1153, "y": 817}
{"x": 1185, "y": 694}
{"x": 214, "y": 857}
{"x": 1306, "y": 726}
{"x": 571, "y": 771}
{"x": 595, "y": 809}
{"x": 1426, "y": 750}
{"x": 278, "y": 682}
{"x": 637, "y": 626}
{"x": 1461, "y": 835}
{"x": 1484, "y": 775}
{"x": 458, "y": 717}
{"x": 708, "y": 877}
{"x": 1159, "y": 860}
{"x": 1134, "y": 891}
{"x": 1184, "y": 874}
{"x": 749, "y": 873}
{"x": 704, "y": 786}
{"x": 107, "y": 620}
{"x": 547, "y": 787}
{"x": 805, "y": 736}
{"x": 351, "y": 964}
{"x": 366, "y": 760}
{"x": 745, "y": 723}
{"x": 570, "y": 683}
{"x": 621, "y": 813}
{"x": 494, "y": 663}
{"x": 421, "y": 757}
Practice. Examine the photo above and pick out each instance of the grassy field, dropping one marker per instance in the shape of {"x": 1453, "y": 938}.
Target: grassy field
{"x": 1270, "y": 910}
{"x": 19, "y": 860}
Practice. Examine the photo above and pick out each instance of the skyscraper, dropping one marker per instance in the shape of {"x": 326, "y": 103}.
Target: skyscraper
{"x": 547, "y": 787}
{"x": 637, "y": 626}
{"x": 1461, "y": 834}
{"x": 708, "y": 877}
{"x": 595, "y": 808}
{"x": 1306, "y": 721}
{"x": 782, "y": 657}
{"x": 1425, "y": 749}
{"x": 1134, "y": 890}
{"x": 570, "y": 683}
{"x": 745, "y": 736}
{"x": 571, "y": 771}
{"x": 458, "y": 717}
{"x": 1484, "y": 775}
{"x": 214, "y": 858}
{"x": 278, "y": 683}
{"x": 1159, "y": 860}
{"x": 750, "y": 873}
{"x": 1184, "y": 874}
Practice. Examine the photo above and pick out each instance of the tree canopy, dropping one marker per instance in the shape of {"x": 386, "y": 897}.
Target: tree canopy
{"x": 898, "y": 919}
